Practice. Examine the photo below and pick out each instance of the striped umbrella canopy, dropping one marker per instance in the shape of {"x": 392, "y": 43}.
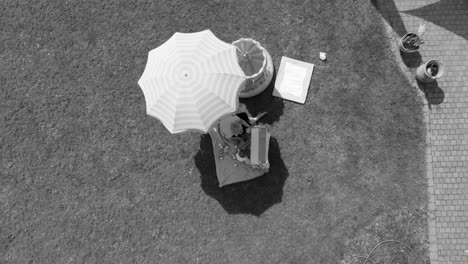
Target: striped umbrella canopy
{"x": 191, "y": 81}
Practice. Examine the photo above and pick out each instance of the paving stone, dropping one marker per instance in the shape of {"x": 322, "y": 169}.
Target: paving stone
{"x": 446, "y": 39}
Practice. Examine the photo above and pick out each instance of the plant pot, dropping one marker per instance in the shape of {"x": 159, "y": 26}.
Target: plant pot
{"x": 257, "y": 65}
{"x": 402, "y": 47}
{"x": 430, "y": 71}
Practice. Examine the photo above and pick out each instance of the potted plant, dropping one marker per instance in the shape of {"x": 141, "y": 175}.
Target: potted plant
{"x": 430, "y": 71}
{"x": 411, "y": 42}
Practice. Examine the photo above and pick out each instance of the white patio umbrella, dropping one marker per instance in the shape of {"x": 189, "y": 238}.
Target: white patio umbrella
{"x": 191, "y": 81}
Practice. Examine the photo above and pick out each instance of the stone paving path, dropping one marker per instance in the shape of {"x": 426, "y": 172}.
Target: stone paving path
{"x": 446, "y": 39}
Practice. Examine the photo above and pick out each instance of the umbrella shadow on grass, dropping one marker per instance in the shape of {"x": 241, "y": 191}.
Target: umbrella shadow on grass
{"x": 265, "y": 102}
{"x": 250, "y": 197}
{"x": 434, "y": 94}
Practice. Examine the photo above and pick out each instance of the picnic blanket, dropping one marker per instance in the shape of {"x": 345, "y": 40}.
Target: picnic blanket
{"x": 228, "y": 168}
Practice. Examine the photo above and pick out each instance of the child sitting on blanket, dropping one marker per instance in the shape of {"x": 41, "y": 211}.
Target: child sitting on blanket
{"x": 236, "y": 130}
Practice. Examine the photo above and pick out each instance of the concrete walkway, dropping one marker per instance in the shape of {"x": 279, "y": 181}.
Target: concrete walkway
{"x": 446, "y": 39}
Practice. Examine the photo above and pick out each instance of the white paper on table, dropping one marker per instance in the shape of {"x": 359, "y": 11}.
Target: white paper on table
{"x": 293, "y": 81}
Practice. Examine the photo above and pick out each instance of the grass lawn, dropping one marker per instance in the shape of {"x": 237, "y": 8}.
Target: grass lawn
{"x": 87, "y": 177}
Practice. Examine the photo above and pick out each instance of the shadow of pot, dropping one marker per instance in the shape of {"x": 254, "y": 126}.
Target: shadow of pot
{"x": 412, "y": 59}
{"x": 433, "y": 93}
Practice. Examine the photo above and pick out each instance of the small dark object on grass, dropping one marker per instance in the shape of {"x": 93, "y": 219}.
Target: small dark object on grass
{"x": 432, "y": 69}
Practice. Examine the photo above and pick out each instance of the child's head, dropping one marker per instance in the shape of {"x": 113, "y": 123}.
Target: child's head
{"x": 231, "y": 126}
{"x": 236, "y": 128}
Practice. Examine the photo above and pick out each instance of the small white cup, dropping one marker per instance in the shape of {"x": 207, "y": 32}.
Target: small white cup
{"x": 323, "y": 56}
